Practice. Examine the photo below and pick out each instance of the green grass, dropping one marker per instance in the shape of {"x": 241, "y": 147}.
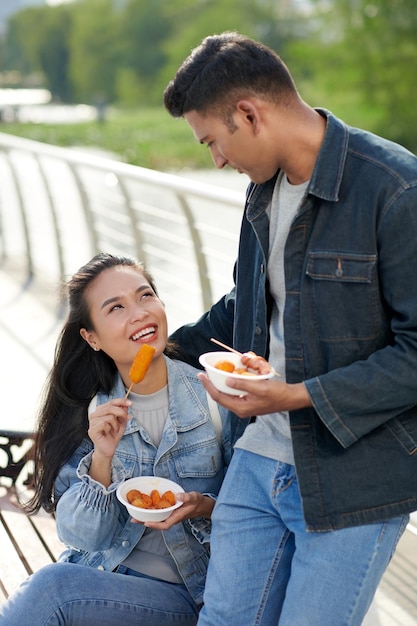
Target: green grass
{"x": 149, "y": 138}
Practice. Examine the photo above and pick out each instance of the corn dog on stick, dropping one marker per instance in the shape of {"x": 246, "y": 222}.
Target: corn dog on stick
{"x": 140, "y": 365}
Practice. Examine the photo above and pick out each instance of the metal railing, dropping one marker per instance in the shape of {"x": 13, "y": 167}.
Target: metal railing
{"x": 60, "y": 206}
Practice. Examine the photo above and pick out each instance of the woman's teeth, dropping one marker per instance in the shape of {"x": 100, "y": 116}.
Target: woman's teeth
{"x": 147, "y": 332}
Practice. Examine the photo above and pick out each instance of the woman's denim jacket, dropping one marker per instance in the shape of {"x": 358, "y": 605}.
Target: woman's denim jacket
{"x": 350, "y": 325}
{"x": 96, "y": 526}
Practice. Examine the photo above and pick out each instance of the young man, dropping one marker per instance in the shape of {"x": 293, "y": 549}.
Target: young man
{"x": 322, "y": 481}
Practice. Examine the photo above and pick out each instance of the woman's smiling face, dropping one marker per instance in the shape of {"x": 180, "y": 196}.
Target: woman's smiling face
{"x": 125, "y": 313}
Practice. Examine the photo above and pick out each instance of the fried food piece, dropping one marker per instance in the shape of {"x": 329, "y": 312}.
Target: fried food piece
{"x": 156, "y": 498}
{"x": 243, "y": 371}
{"x": 139, "y": 499}
{"x": 169, "y": 497}
{"x": 152, "y": 501}
{"x": 225, "y": 366}
{"x": 132, "y": 495}
{"x": 141, "y": 363}
{"x": 141, "y": 503}
{"x": 228, "y": 366}
{"x": 163, "y": 504}
{"x": 147, "y": 500}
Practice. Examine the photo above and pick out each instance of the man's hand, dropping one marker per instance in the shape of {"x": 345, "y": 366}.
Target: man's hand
{"x": 263, "y": 396}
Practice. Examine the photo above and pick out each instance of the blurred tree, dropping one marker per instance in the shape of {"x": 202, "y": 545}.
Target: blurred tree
{"x": 37, "y": 40}
{"x": 145, "y": 26}
{"x": 96, "y": 49}
{"x": 360, "y": 60}
{"x": 13, "y": 57}
{"x": 54, "y": 55}
{"x": 383, "y": 39}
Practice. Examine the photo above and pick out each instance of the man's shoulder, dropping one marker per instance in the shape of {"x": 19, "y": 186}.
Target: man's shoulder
{"x": 382, "y": 151}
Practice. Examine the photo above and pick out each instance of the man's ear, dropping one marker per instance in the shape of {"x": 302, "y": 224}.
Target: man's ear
{"x": 249, "y": 114}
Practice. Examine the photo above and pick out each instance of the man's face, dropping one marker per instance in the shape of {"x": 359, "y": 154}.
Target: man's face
{"x": 242, "y": 148}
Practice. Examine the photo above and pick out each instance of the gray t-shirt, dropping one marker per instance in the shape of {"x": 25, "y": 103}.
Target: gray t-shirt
{"x": 270, "y": 434}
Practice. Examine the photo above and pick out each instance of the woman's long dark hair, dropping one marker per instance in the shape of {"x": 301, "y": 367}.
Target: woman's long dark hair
{"x": 77, "y": 374}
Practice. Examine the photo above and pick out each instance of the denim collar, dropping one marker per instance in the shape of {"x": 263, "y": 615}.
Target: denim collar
{"x": 330, "y": 163}
{"x": 327, "y": 174}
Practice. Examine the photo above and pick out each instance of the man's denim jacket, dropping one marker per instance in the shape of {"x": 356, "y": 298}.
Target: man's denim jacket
{"x": 96, "y": 527}
{"x": 350, "y": 325}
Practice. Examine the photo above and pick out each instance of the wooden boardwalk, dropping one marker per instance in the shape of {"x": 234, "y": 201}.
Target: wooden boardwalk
{"x": 396, "y": 598}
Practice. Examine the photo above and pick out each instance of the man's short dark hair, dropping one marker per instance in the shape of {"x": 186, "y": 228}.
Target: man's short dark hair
{"x": 224, "y": 69}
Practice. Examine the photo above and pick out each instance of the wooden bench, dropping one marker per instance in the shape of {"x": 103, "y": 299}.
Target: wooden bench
{"x": 27, "y": 543}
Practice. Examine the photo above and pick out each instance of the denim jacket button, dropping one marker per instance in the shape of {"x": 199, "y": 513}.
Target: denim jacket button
{"x": 125, "y": 544}
{"x": 339, "y": 273}
{"x": 100, "y": 567}
{"x": 258, "y": 330}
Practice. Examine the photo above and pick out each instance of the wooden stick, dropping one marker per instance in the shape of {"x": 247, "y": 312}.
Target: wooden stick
{"x": 129, "y": 390}
{"x": 223, "y": 345}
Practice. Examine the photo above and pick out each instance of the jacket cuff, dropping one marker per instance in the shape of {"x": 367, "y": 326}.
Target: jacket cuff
{"x": 328, "y": 414}
{"x": 118, "y": 475}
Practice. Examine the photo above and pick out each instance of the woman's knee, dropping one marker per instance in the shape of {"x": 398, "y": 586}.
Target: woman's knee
{"x": 37, "y": 596}
{"x": 56, "y": 576}
{"x": 51, "y": 574}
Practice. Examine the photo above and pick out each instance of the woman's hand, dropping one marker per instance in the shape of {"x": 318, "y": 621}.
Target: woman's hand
{"x": 107, "y": 425}
{"x": 194, "y": 505}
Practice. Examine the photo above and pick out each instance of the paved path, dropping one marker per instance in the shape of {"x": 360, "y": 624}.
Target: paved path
{"x": 29, "y": 326}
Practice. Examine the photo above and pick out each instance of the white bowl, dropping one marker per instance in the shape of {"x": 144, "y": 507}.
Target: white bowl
{"x": 146, "y": 484}
{"x": 219, "y": 377}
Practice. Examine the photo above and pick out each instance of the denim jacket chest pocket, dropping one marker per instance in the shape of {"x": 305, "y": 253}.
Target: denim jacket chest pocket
{"x": 346, "y": 303}
{"x": 196, "y": 458}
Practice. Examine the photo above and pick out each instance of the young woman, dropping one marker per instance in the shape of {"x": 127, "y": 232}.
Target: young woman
{"x": 116, "y": 571}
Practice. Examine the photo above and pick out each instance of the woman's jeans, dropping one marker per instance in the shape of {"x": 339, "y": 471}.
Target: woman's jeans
{"x": 265, "y": 569}
{"x": 66, "y": 593}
